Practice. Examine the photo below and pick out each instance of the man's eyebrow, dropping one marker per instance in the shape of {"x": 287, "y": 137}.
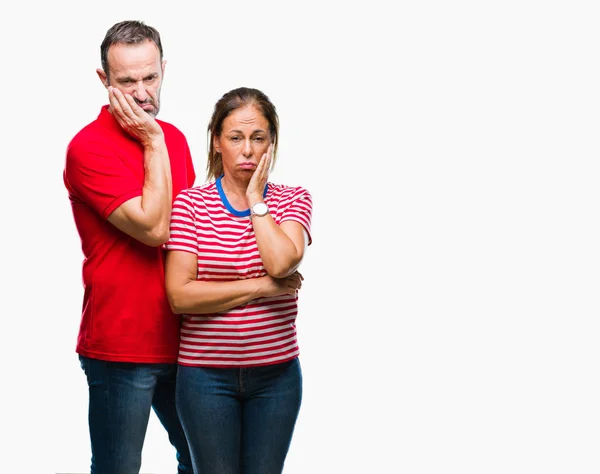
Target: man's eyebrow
{"x": 129, "y": 78}
{"x": 253, "y": 133}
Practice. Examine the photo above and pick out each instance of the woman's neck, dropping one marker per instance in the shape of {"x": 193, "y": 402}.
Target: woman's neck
{"x": 235, "y": 192}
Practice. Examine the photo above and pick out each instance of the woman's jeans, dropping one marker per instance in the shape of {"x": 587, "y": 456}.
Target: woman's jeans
{"x": 239, "y": 421}
{"x": 121, "y": 395}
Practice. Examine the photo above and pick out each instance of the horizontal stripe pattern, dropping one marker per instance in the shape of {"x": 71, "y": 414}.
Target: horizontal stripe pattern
{"x": 262, "y": 331}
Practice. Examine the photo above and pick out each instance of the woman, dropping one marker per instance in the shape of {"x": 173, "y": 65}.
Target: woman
{"x": 235, "y": 246}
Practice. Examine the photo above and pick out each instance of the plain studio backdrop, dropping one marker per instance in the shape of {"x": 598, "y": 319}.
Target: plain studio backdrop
{"x": 448, "y": 321}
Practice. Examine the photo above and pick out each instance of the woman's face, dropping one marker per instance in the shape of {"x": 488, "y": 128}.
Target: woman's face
{"x": 244, "y": 139}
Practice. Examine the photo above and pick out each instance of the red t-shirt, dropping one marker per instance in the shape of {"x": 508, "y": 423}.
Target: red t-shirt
{"x": 126, "y": 315}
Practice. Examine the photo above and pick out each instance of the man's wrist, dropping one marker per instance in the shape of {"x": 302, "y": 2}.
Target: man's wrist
{"x": 156, "y": 142}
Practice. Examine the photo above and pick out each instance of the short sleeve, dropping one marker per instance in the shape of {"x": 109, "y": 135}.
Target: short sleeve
{"x": 300, "y": 210}
{"x": 182, "y": 229}
{"x": 102, "y": 181}
{"x": 191, "y": 172}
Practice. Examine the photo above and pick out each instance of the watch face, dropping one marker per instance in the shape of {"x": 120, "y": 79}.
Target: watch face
{"x": 260, "y": 209}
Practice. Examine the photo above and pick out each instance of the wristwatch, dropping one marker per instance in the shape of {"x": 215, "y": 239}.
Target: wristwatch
{"x": 259, "y": 209}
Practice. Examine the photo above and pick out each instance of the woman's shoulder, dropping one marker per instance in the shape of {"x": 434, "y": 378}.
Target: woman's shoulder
{"x": 287, "y": 191}
{"x": 199, "y": 192}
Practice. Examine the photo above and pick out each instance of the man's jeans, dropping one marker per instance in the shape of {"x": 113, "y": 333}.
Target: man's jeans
{"x": 239, "y": 421}
{"x": 121, "y": 395}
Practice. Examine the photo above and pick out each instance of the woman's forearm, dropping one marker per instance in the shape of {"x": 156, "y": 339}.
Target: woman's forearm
{"x": 202, "y": 297}
{"x": 280, "y": 253}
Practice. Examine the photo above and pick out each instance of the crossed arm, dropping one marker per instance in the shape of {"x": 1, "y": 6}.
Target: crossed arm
{"x": 285, "y": 243}
{"x": 188, "y": 295}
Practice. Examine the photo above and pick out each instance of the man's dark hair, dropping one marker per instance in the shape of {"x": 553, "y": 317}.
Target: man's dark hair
{"x": 128, "y": 32}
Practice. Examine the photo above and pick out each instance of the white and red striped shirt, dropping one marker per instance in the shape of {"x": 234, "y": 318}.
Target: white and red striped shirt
{"x": 262, "y": 331}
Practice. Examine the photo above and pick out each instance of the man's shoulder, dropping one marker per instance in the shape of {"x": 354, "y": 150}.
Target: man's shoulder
{"x": 88, "y": 135}
{"x": 170, "y": 129}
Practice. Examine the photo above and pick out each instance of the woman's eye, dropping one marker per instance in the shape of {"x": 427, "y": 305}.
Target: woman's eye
{"x": 259, "y": 139}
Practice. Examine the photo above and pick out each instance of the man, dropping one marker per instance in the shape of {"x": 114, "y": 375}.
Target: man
{"x": 122, "y": 172}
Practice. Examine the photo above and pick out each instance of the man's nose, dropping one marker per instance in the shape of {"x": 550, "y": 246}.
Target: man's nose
{"x": 139, "y": 92}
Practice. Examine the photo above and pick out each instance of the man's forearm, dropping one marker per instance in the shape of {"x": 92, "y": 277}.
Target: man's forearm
{"x": 157, "y": 190}
{"x": 146, "y": 217}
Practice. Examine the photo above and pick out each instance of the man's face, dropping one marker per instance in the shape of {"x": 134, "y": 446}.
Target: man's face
{"x": 135, "y": 69}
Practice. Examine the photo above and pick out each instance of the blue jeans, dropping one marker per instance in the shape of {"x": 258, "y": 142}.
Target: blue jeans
{"x": 121, "y": 395}
{"x": 239, "y": 421}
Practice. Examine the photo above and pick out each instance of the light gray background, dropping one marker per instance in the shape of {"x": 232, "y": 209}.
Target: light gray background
{"x": 449, "y": 317}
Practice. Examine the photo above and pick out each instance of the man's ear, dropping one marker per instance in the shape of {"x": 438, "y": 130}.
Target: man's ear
{"x": 102, "y": 76}
{"x": 164, "y": 63}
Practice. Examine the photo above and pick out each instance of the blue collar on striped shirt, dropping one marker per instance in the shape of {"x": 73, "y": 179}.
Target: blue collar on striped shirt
{"x": 228, "y": 206}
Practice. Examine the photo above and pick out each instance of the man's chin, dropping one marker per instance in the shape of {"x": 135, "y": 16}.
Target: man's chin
{"x": 153, "y": 111}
